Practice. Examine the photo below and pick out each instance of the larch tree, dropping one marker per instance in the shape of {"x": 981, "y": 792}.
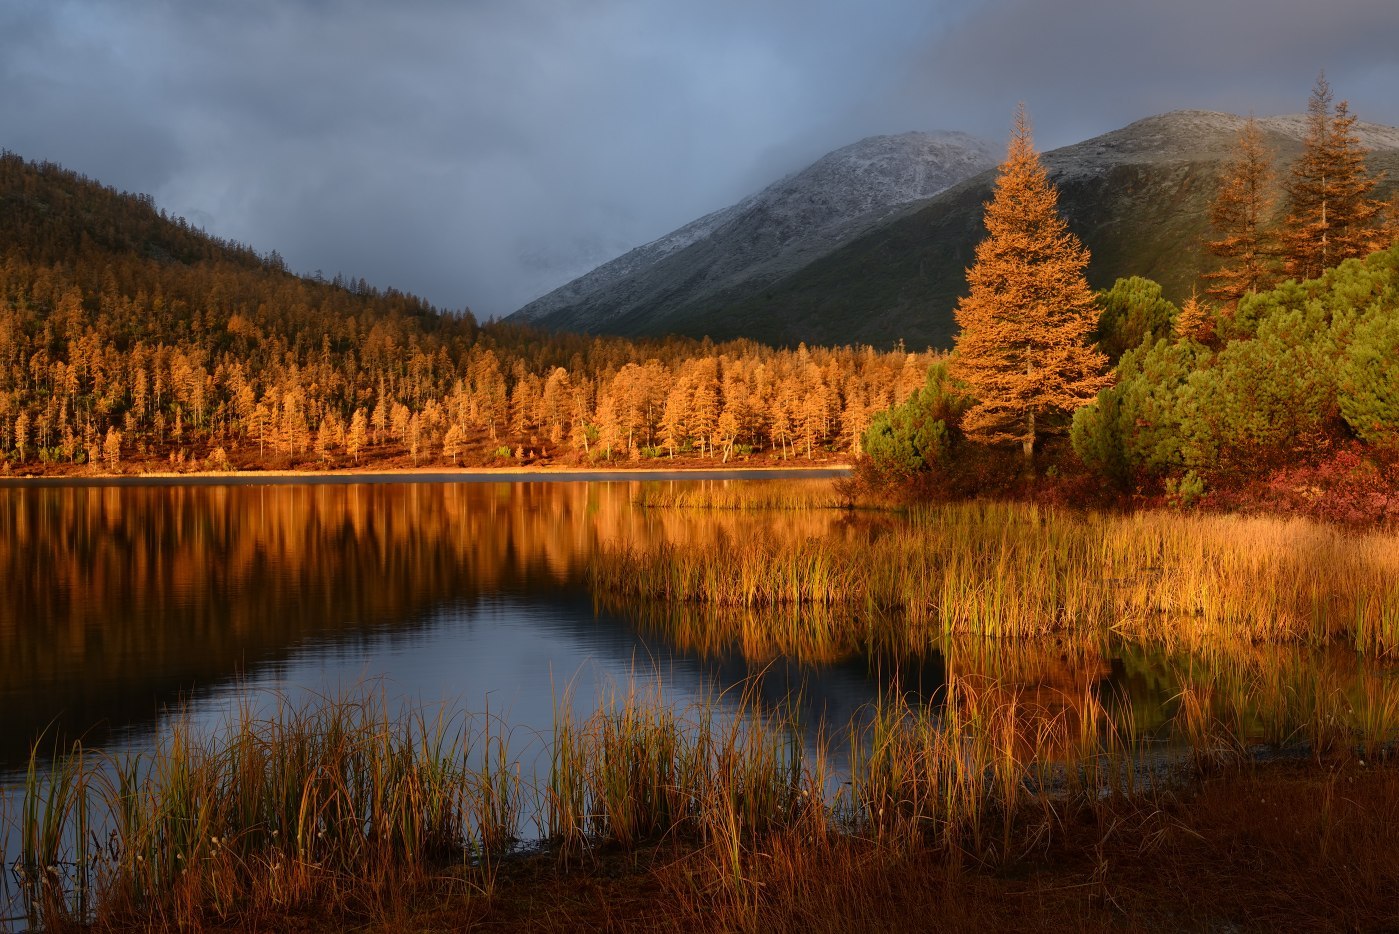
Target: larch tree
{"x": 415, "y": 435}
{"x": 380, "y": 418}
{"x": 1024, "y": 349}
{"x": 1357, "y": 228}
{"x": 703, "y": 413}
{"x": 553, "y": 403}
{"x": 22, "y": 434}
{"x": 111, "y": 448}
{"x": 673, "y": 430}
{"x": 854, "y": 416}
{"x": 1194, "y": 321}
{"x": 453, "y": 442}
{"x": 325, "y": 439}
{"x": 1388, "y": 227}
{"x": 611, "y": 433}
{"x": 399, "y": 417}
{"x": 726, "y": 432}
{"x": 1331, "y": 216}
{"x": 358, "y": 435}
{"x": 1241, "y": 213}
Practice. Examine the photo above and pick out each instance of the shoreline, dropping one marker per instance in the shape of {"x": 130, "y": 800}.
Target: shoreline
{"x": 425, "y": 475}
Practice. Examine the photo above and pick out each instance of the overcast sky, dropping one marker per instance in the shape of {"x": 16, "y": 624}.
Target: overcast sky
{"x": 477, "y": 152}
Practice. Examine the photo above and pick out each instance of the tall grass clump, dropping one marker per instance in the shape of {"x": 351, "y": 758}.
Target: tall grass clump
{"x": 637, "y": 769}
{"x": 1023, "y": 570}
{"x": 988, "y": 772}
{"x": 743, "y": 494}
{"x": 348, "y": 807}
{"x": 1226, "y": 703}
{"x": 338, "y": 804}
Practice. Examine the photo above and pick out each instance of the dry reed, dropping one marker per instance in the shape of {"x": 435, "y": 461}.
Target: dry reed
{"x": 1018, "y": 571}
{"x": 345, "y": 805}
{"x": 741, "y": 494}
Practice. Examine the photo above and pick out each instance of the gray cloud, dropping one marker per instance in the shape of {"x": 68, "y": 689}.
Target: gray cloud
{"x": 477, "y": 152}
{"x": 1086, "y": 66}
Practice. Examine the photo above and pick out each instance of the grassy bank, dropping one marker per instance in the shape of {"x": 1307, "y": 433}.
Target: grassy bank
{"x": 1272, "y": 847}
{"x": 1017, "y": 570}
{"x": 346, "y": 810}
{"x": 753, "y": 495}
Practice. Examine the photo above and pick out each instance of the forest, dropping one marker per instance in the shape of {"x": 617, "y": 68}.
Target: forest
{"x": 1104, "y": 688}
{"x": 129, "y": 340}
{"x": 1278, "y": 386}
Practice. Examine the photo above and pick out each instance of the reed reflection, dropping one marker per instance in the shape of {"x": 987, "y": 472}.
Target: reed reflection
{"x": 114, "y": 601}
{"x": 831, "y": 664}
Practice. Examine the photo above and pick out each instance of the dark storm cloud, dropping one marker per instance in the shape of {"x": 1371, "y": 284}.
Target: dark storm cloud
{"x": 476, "y": 152}
{"x": 1086, "y": 66}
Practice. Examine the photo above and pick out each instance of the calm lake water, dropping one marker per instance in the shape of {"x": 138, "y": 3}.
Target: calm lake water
{"x": 121, "y": 603}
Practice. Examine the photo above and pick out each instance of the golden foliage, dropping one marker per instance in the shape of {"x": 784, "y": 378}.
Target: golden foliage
{"x": 1241, "y": 212}
{"x": 1331, "y": 216}
{"x": 1195, "y": 321}
{"x": 1025, "y": 346}
{"x": 127, "y": 338}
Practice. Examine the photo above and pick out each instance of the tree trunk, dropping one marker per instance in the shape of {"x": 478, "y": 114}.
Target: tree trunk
{"x": 1028, "y": 443}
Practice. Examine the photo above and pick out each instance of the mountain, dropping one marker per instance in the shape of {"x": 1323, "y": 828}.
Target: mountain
{"x": 765, "y": 237}
{"x": 1138, "y": 197}
{"x": 50, "y": 215}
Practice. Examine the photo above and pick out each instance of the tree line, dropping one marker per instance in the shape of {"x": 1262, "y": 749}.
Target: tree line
{"x": 126, "y": 336}
{"x": 1322, "y": 213}
{"x": 1258, "y": 375}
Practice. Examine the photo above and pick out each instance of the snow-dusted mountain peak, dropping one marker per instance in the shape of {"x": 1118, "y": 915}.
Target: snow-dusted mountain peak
{"x": 786, "y": 225}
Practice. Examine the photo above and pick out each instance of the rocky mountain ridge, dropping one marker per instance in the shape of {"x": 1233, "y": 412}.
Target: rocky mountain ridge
{"x": 766, "y": 235}
{"x": 1138, "y": 197}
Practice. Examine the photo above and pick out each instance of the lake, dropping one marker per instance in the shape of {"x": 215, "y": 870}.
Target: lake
{"x": 119, "y": 604}
{"x": 126, "y": 607}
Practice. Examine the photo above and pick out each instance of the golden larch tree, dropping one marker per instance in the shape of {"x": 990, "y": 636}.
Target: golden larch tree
{"x": 1025, "y": 347}
{"x": 358, "y": 435}
{"x": 1331, "y": 216}
{"x": 1241, "y": 213}
{"x": 1195, "y": 321}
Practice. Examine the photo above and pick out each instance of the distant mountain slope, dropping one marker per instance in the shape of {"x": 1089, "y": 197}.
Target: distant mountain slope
{"x": 49, "y": 214}
{"x": 766, "y": 236}
{"x": 1138, "y": 197}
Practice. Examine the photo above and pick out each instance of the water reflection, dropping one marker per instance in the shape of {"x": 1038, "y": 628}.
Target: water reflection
{"x": 116, "y": 601}
{"x": 1275, "y": 694}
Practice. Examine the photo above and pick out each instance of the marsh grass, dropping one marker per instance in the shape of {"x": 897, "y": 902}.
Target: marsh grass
{"x": 345, "y": 803}
{"x": 348, "y": 805}
{"x": 339, "y": 802}
{"x": 1284, "y": 701}
{"x": 1216, "y": 697}
{"x": 1020, "y": 571}
{"x": 638, "y": 769}
{"x": 744, "y": 495}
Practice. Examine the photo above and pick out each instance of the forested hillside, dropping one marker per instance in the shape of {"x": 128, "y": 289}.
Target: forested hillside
{"x": 129, "y": 339}
{"x": 1277, "y": 387}
{"x": 1138, "y": 198}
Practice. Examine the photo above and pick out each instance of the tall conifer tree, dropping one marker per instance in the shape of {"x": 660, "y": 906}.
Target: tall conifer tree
{"x": 1331, "y": 216}
{"x": 1025, "y": 344}
{"x": 1240, "y": 213}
